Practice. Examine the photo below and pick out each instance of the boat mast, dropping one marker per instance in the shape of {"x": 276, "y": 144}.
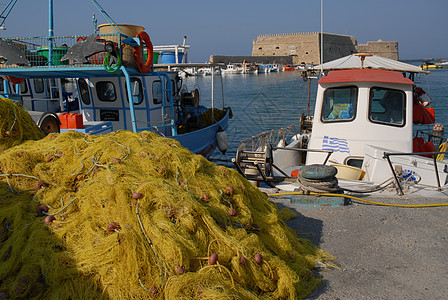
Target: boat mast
{"x": 321, "y": 35}
{"x": 213, "y": 91}
{"x": 50, "y": 32}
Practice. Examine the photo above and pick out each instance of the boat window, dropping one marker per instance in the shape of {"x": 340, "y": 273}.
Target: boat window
{"x": 105, "y": 90}
{"x": 387, "y": 106}
{"x": 157, "y": 92}
{"x": 2, "y": 86}
{"x": 23, "y": 87}
{"x": 339, "y": 104}
{"x": 84, "y": 91}
{"x": 38, "y": 85}
{"x": 137, "y": 91}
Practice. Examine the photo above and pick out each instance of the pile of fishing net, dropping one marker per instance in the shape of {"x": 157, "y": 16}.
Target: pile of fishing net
{"x": 16, "y": 125}
{"x": 136, "y": 216}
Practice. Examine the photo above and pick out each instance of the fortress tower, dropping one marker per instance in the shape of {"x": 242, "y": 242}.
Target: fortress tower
{"x": 305, "y": 47}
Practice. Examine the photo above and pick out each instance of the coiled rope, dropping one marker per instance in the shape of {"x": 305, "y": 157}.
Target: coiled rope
{"x": 318, "y": 185}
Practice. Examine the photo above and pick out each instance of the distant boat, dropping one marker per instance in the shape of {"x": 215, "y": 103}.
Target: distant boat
{"x": 432, "y": 66}
{"x": 232, "y": 69}
{"x": 249, "y": 69}
{"x": 204, "y": 71}
{"x": 444, "y": 64}
{"x": 264, "y": 68}
{"x": 274, "y": 68}
{"x": 288, "y": 68}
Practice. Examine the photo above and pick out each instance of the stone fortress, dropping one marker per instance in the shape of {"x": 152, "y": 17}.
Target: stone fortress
{"x": 305, "y": 47}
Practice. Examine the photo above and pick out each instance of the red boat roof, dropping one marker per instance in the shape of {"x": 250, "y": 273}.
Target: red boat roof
{"x": 357, "y": 75}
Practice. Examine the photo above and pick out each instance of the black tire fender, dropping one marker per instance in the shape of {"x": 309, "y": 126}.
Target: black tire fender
{"x": 53, "y": 119}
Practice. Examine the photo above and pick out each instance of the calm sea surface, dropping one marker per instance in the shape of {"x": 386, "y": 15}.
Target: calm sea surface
{"x": 272, "y": 101}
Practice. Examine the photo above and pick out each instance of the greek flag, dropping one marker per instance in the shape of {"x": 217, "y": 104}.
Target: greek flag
{"x": 335, "y": 144}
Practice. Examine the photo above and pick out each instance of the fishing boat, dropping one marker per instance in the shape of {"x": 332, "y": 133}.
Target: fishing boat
{"x": 431, "y": 66}
{"x": 274, "y": 67}
{"x": 232, "y": 69}
{"x": 205, "y": 71}
{"x": 288, "y": 68}
{"x": 105, "y": 82}
{"x": 364, "y": 126}
{"x": 249, "y": 69}
{"x": 444, "y": 65}
{"x": 262, "y": 68}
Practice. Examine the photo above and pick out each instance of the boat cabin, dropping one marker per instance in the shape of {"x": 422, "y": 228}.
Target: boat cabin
{"x": 358, "y": 107}
{"x": 104, "y": 100}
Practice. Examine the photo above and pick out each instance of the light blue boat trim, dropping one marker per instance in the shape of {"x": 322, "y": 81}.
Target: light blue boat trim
{"x": 131, "y": 102}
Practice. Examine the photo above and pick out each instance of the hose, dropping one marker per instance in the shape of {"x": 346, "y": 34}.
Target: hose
{"x": 363, "y": 200}
{"x": 106, "y": 64}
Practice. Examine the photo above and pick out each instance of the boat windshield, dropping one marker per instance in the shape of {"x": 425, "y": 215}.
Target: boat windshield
{"x": 339, "y": 104}
{"x": 387, "y": 106}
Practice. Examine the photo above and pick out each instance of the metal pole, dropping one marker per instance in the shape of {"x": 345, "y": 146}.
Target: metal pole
{"x": 309, "y": 93}
{"x": 222, "y": 86}
{"x": 50, "y": 33}
{"x": 386, "y": 155}
{"x": 437, "y": 172}
{"x": 184, "y": 43}
{"x": 213, "y": 92}
{"x": 321, "y": 35}
{"x": 131, "y": 100}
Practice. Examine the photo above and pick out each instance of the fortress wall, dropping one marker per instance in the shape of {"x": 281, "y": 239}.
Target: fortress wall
{"x": 305, "y": 47}
{"x": 223, "y": 59}
{"x": 380, "y": 48}
{"x": 337, "y": 46}
{"x": 301, "y": 46}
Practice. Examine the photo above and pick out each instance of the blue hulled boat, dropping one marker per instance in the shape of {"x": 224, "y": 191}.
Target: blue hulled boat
{"x": 103, "y": 82}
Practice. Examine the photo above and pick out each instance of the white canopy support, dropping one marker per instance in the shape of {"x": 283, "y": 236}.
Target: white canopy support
{"x": 368, "y": 61}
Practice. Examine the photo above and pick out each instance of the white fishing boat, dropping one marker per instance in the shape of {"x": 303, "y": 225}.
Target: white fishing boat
{"x": 232, "y": 69}
{"x": 249, "y": 69}
{"x": 444, "y": 65}
{"x": 106, "y": 82}
{"x": 274, "y": 68}
{"x": 363, "y": 125}
{"x": 204, "y": 71}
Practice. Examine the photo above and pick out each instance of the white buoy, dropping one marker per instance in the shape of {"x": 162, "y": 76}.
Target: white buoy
{"x": 221, "y": 138}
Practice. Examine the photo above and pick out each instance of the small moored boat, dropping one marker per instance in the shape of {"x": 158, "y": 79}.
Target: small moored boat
{"x": 363, "y": 125}
{"x": 106, "y": 82}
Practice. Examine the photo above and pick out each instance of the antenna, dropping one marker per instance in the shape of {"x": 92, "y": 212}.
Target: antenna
{"x": 95, "y": 23}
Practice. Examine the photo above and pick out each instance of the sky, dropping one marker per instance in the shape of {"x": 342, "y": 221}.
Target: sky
{"x": 229, "y": 27}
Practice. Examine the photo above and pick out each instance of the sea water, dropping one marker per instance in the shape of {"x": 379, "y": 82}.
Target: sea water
{"x": 276, "y": 100}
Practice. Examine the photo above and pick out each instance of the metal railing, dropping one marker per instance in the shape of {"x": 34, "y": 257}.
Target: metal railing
{"x": 387, "y": 155}
{"x": 39, "y": 53}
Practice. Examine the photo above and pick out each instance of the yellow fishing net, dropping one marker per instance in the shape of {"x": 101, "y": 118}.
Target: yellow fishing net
{"x": 136, "y": 216}
{"x": 16, "y": 125}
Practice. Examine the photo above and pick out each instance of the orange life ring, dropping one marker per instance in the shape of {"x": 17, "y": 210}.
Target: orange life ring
{"x": 14, "y": 80}
{"x": 138, "y": 53}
